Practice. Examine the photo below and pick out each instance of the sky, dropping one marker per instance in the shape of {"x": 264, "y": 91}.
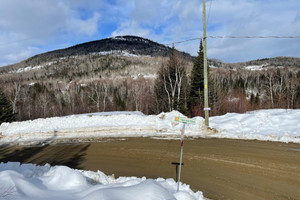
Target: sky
{"x": 30, "y": 27}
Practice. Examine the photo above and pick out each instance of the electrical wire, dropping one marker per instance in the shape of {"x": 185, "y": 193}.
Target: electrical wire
{"x": 237, "y": 37}
{"x": 209, "y": 11}
{"x": 183, "y": 41}
{"x": 257, "y": 37}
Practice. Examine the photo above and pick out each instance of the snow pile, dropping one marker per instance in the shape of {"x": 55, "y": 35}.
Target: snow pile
{"x": 29, "y": 181}
{"x": 272, "y": 125}
{"x": 111, "y": 124}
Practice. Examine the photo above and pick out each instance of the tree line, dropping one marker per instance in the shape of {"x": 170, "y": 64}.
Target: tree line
{"x": 230, "y": 90}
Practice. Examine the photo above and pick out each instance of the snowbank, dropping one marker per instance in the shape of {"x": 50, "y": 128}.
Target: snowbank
{"x": 32, "y": 182}
{"x": 112, "y": 124}
{"x": 273, "y": 125}
{"x": 279, "y": 125}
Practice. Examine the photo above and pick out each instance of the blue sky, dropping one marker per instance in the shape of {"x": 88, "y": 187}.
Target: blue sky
{"x": 30, "y": 27}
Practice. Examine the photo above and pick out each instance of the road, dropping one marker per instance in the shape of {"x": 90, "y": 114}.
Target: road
{"x": 220, "y": 168}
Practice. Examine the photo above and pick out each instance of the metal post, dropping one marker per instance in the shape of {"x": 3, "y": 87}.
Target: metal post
{"x": 177, "y": 173}
{"x": 181, "y": 151}
{"x": 176, "y": 165}
{"x": 205, "y": 68}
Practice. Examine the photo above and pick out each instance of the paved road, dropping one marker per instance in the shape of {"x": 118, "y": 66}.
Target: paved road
{"x": 221, "y": 168}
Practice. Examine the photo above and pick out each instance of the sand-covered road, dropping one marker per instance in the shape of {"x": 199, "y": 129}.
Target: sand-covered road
{"x": 221, "y": 168}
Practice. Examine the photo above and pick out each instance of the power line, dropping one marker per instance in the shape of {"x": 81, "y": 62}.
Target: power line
{"x": 183, "y": 41}
{"x": 209, "y": 11}
{"x": 236, "y": 37}
{"x": 256, "y": 37}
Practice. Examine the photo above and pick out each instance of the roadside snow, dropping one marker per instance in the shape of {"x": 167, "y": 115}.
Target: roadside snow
{"x": 273, "y": 125}
{"x": 269, "y": 125}
{"x": 29, "y": 181}
{"x": 32, "y": 182}
{"x": 111, "y": 124}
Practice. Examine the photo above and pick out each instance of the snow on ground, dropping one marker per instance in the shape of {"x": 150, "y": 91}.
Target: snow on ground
{"x": 111, "y": 124}
{"x": 30, "y": 68}
{"x": 255, "y": 67}
{"x": 29, "y": 181}
{"x": 116, "y": 53}
{"x": 273, "y": 125}
{"x": 270, "y": 125}
{"x": 26, "y": 69}
{"x": 145, "y": 76}
{"x": 32, "y": 182}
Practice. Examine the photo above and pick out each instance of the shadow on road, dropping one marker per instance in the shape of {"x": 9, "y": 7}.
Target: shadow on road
{"x": 68, "y": 155}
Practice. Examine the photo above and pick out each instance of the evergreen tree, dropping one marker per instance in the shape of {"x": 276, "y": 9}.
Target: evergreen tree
{"x": 196, "y": 97}
{"x": 6, "y": 111}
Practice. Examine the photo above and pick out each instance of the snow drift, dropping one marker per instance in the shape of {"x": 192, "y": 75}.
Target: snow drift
{"x": 272, "y": 125}
{"x": 32, "y": 182}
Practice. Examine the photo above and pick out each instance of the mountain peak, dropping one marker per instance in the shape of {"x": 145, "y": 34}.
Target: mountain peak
{"x": 131, "y": 38}
{"x": 130, "y": 44}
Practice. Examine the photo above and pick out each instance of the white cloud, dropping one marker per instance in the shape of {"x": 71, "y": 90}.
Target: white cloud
{"x": 32, "y": 23}
{"x": 153, "y": 13}
{"x": 131, "y": 28}
{"x": 85, "y": 27}
{"x": 39, "y": 23}
{"x": 32, "y": 18}
{"x": 162, "y": 21}
{"x": 180, "y": 20}
{"x": 253, "y": 18}
{"x": 25, "y": 53}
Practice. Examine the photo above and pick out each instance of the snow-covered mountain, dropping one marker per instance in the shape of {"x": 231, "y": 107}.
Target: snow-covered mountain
{"x": 131, "y": 46}
{"x": 119, "y": 45}
{"x": 121, "y": 71}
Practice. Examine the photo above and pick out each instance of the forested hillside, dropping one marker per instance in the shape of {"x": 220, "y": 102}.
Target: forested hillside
{"x": 123, "y": 45}
{"x": 131, "y": 73}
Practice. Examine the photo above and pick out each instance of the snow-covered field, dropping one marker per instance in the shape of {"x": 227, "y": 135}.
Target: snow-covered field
{"x": 31, "y": 182}
{"x": 271, "y": 125}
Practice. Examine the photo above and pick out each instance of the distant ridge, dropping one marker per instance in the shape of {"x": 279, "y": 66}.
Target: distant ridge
{"x": 280, "y": 61}
{"x": 139, "y": 46}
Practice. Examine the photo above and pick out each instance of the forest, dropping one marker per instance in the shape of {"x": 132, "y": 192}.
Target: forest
{"x": 230, "y": 91}
{"x": 98, "y": 83}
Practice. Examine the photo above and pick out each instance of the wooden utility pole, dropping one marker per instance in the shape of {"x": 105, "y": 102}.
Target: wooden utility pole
{"x": 206, "y": 108}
